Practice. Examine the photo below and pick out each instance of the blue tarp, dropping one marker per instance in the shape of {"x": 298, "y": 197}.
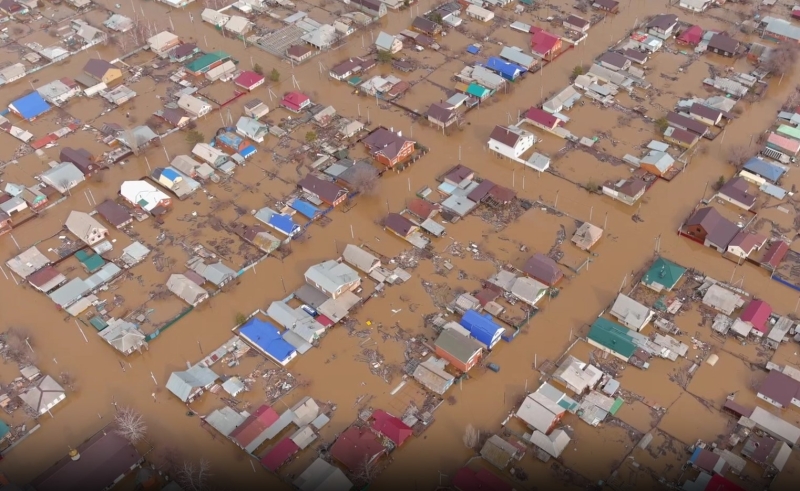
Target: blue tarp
{"x": 508, "y": 71}
{"x": 472, "y": 49}
{"x": 268, "y": 338}
{"x": 304, "y": 208}
{"x": 768, "y": 171}
{"x": 230, "y": 140}
{"x": 482, "y": 327}
{"x": 170, "y": 174}
{"x": 30, "y": 106}
{"x": 284, "y": 223}
{"x": 248, "y": 151}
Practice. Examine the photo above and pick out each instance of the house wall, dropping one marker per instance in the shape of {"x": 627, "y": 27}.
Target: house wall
{"x": 679, "y": 143}
{"x": 404, "y": 153}
{"x": 611, "y": 352}
{"x": 712, "y": 245}
{"x": 652, "y": 169}
{"x": 697, "y": 232}
{"x": 451, "y": 359}
{"x": 112, "y": 75}
{"x": 765, "y": 398}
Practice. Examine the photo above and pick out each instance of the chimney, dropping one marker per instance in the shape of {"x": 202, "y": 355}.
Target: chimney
{"x": 399, "y": 133}
{"x": 74, "y": 455}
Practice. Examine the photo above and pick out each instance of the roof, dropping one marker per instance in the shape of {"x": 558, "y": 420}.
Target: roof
{"x": 331, "y": 275}
{"x": 516, "y": 55}
{"x": 295, "y": 98}
{"x": 326, "y": 190}
{"x": 43, "y": 395}
{"x": 268, "y": 338}
{"x": 356, "y": 446}
{"x": 748, "y": 241}
{"x": 182, "y": 50}
{"x": 720, "y": 231}
{"x": 390, "y": 427}
{"x": 431, "y": 373}
{"x": 480, "y": 192}
{"x": 183, "y": 383}
{"x": 705, "y": 112}
{"x": 737, "y": 189}
{"x": 577, "y": 21}
{"x": 663, "y": 273}
{"x": 143, "y": 194}
{"x": 422, "y": 208}
{"x": 322, "y": 476}
{"x": 467, "y": 479}
{"x": 384, "y": 41}
{"x": 399, "y": 224}
{"x": 767, "y": 170}
{"x": 30, "y": 106}
{"x": 84, "y": 226}
{"x": 28, "y": 262}
{"x": 663, "y": 21}
{"x": 542, "y": 42}
{"x": 775, "y": 253}
{"x": 536, "y": 415}
{"x": 425, "y": 25}
{"x": 97, "y": 68}
{"x": 505, "y": 68}
{"x": 261, "y": 419}
{"x": 69, "y": 293}
{"x": 385, "y": 142}
{"x": 757, "y": 313}
{"x": 675, "y": 119}
{"x": 457, "y": 345}
{"x": 553, "y": 444}
{"x": 630, "y": 312}
{"x": 360, "y": 258}
{"x": 612, "y": 336}
{"x": 780, "y": 388}
{"x": 775, "y": 426}
{"x": 613, "y": 58}
{"x": 104, "y": 458}
{"x": 505, "y": 135}
{"x": 224, "y": 420}
{"x": 299, "y": 50}
{"x": 481, "y": 327}
{"x": 662, "y": 161}
{"x": 440, "y": 112}
{"x": 542, "y": 117}
{"x": 720, "y": 483}
{"x": 543, "y": 269}
{"x": 186, "y": 289}
{"x": 46, "y": 278}
{"x": 248, "y": 78}
{"x": 498, "y": 452}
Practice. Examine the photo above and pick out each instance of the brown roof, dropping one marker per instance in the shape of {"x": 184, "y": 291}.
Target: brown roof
{"x": 399, "y": 224}
{"x": 775, "y": 253}
{"x": 632, "y": 187}
{"x": 481, "y": 191}
{"x": 183, "y": 50}
{"x": 723, "y": 42}
{"x": 43, "y": 276}
{"x": 705, "y": 111}
{"x": 505, "y": 136}
{"x": 250, "y": 233}
{"x": 543, "y": 269}
{"x": 114, "y": 213}
{"x": 502, "y": 194}
{"x": 748, "y": 241}
{"x": 356, "y": 446}
{"x": 422, "y": 208}
{"x": 326, "y": 190}
{"x": 720, "y": 231}
{"x": 425, "y": 25}
{"x": 681, "y": 135}
{"x": 194, "y": 277}
{"x": 607, "y": 4}
{"x": 707, "y": 460}
{"x": 779, "y": 387}
{"x": 663, "y": 21}
{"x": 635, "y": 55}
{"x": 440, "y": 112}
{"x": 374, "y": 5}
{"x": 459, "y": 173}
{"x": 738, "y": 190}
{"x": 78, "y": 156}
{"x": 346, "y": 66}
{"x": 576, "y": 21}
{"x": 173, "y": 115}
{"x": 759, "y": 448}
{"x": 97, "y": 68}
{"x": 613, "y": 58}
{"x": 386, "y": 142}
{"x": 690, "y": 124}
{"x": 299, "y": 50}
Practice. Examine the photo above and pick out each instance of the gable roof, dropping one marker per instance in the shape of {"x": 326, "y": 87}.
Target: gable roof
{"x": 757, "y": 313}
{"x": 183, "y": 383}
{"x": 326, "y": 190}
{"x": 254, "y": 425}
{"x": 613, "y": 336}
{"x": 779, "y": 387}
{"x": 390, "y": 427}
{"x": 399, "y": 224}
{"x": 331, "y": 275}
{"x": 422, "y": 208}
{"x": 385, "y": 142}
{"x": 663, "y": 21}
{"x": 322, "y": 476}
{"x": 461, "y": 347}
{"x": 723, "y": 42}
{"x": 356, "y": 446}
{"x": 775, "y": 253}
{"x": 97, "y": 68}
{"x": 542, "y": 42}
{"x": 425, "y": 25}
{"x": 705, "y": 111}
{"x": 542, "y": 117}
{"x": 737, "y": 189}
{"x": 613, "y": 58}
{"x": 543, "y": 268}
{"x": 720, "y": 231}
{"x": 504, "y": 135}
{"x": 440, "y": 112}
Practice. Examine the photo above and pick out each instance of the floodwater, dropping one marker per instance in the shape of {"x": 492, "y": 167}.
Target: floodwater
{"x": 331, "y": 372}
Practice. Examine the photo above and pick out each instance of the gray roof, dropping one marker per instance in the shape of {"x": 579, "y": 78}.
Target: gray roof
{"x": 135, "y": 252}
{"x": 186, "y": 289}
{"x": 105, "y": 274}
{"x": 217, "y": 273}
{"x": 182, "y": 384}
{"x": 661, "y": 160}
{"x": 28, "y": 262}
{"x": 322, "y": 476}
{"x": 553, "y": 444}
{"x": 43, "y": 395}
{"x": 70, "y": 293}
{"x": 360, "y": 258}
{"x": 384, "y": 41}
{"x": 123, "y": 335}
{"x": 528, "y": 289}
{"x": 310, "y": 296}
{"x": 536, "y": 415}
{"x": 516, "y": 55}
{"x": 459, "y": 346}
{"x": 331, "y": 275}
{"x": 432, "y": 374}
{"x": 224, "y": 420}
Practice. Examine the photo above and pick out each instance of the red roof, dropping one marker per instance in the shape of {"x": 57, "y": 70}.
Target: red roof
{"x": 325, "y": 321}
{"x": 692, "y": 36}
{"x": 43, "y": 276}
{"x": 279, "y": 454}
{"x": 468, "y": 480}
{"x": 719, "y": 483}
{"x": 390, "y": 427}
{"x": 294, "y": 99}
{"x": 254, "y": 425}
{"x": 422, "y": 208}
{"x": 775, "y": 254}
{"x": 248, "y": 79}
{"x": 356, "y": 446}
{"x": 542, "y": 42}
{"x": 757, "y": 314}
{"x": 542, "y": 117}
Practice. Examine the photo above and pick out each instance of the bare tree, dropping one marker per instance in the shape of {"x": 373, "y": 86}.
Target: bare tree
{"x": 471, "y": 436}
{"x": 169, "y": 460}
{"x": 67, "y": 380}
{"x": 737, "y": 155}
{"x": 365, "y": 180}
{"x": 366, "y": 472}
{"x": 130, "y": 425}
{"x": 782, "y": 59}
{"x": 18, "y": 346}
{"x": 194, "y": 477}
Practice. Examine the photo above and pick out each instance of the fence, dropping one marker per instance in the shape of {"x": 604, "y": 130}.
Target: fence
{"x": 169, "y": 324}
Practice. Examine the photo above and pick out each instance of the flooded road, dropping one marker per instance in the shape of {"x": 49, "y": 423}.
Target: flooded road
{"x": 331, "y": 372}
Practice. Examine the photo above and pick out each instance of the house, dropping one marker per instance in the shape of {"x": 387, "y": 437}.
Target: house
{"x": 552, "y": 445}
{"x": 576, "y": 23}
{"x": 482, "y": 328}
{"x": 387, "y": 42}
{"x": 542, "y": 119}
{"x": 144, "y": 195}
{"x": 657, "y": 163}
{"x": 612, "y": 338}
{"x": 723, "y": 300}
{"x": 35, "y": 198}
{"x": 249, "y": 80}
{"x": 387, "y": 147}
{"x": 441, "y": 115}
{"x": 479, "y": 13}
{"x": 577, "y": 376}
{"x": 119, "y": 23}
{"x": 29, "y": 107}
{"x": 400, "y": 225}
{"x": 423, "y": 209}
{"x": 186, "y": 289}
{"x": 138, "y": 137}
{"x": 332, "y": 278}
{"x": 86, "y": 228}
{"x": 426, "y": 26}
{"x": 326, "y": 191}
{"x": 631, "y": 313}
{"x": 614, "y": 61}
{"x": 43, "y": 395}
{"x": 11, "y": 7}
{"x": 295, "y": 101}
{"x": 722, "y": 44}
{"x": 779, "y": 389}
{"x": 510, "y": 141}
{"x": 610, "y": 6}
{"x": 209, "y": 154}
{"x": 705, "y": 114}
{"x": 189, "y": 384}
{"x": 59, "y": 91}
{"x": 691, "y": 36}
{"x": 163, "y": 42}
{"x": 774, "y": 255}
{"x": 709, "y": 227}
{"x": 745, "y": 243}
{"x": 238, "y": 25}
{"x": 325, "y": 116}
{"x": 194, "y": 106}
{"x": 544, "y": 45}
{"x": 694, "y": 5}
{"x": 114, "y": 213}
{"x": 432, "y": 375}
{"x": 299, "y": 52}
{"x": 390, "y": 427}
{"x": 267, "y": 339}
{"x": 5, "y": 223}
{"x": 686, "y": 123}
{"x": 586, "y": 236}
{"x": 628, "y": 191}
{"x": 500, "y": 452}
{"x": 124, "y": 336}
{"x": 322, "y": 476}
{"x": 255, "y": 109}
{"x": 774, "y": 426}
{"x": 11, "y": 73}
{"x": 213, "y": 17}
{"x": 252, "y": 129}
{"x": 249, "y": 435}
{"x": 704, "y": 459}
{"x": 102, "y": 71}
{"x": 346, "y": 68}
{"x": 98, "y": 463}
{"x": 175, "y": 116}
{"x": 757, "y": 314}
{"x": 515, "y": 55}
{"x": 208, "y": 61}
{"x": 373, "y": 8}
{"x": 764, "y": 169}
{"x": 81, "y": 158}
{"x": 540, "y": 413}
{"x": 663, "y": 25}
{"x": 780, "y": 29}
{"x": 12, "y": 204}
{"x": 119, "y": 95}
{"x": 682, "y": 138}
{"x": 216, "y": 273}
{"x": 360, "y": 258}
{"x": 457, "y": 349}
{"x": 63, "y": 177}
{"x": 357, "y": 448}
{"x": 183, "y": 52}
{"x": 544, "y": 269}
{"x": 767, "y": 452}
{"x": 467, "y": 479}
{"x": 788, "y": 144}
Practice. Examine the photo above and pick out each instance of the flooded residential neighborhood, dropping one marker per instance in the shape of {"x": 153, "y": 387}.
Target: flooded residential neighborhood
{"x": 333, "y": 245}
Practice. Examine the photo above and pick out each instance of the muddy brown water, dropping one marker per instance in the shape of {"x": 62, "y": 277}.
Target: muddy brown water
{"x": 331, "y": 371}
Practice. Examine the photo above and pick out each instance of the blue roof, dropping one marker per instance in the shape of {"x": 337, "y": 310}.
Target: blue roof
{"x": 507, "y": 70}
{"x": 481, "y": 327}
{"x": 477, "y": 90}
{"x": 268, "y": 338}
{"x": 283, "y": 223}
{"x": 768, "y": 171}
{"x": 170, "y": 174}
{"x": 248, "y": 151}
{"x": 230, "y": 139}
{"x": 4, "y": 429}
{"x": 304, "y": 208}
{"x": 695, "y": 454}
{"x": 30, "y": 106}
{"x": 472, "y": 49}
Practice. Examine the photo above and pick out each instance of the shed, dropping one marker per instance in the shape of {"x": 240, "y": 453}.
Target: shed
{"x": 499, "y": 452}
{"x": 267, "y": 339}
{"x": 482, "y": 328}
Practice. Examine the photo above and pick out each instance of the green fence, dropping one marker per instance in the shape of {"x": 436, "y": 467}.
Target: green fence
{"x": 166, "y": 326}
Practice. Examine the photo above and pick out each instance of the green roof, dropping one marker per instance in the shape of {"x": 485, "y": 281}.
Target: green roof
{"x": 4, "y": 429}
{"x": 612, "y": 336}
{"x": 477, "y": 90}
{"x": 98, "y": 323}
{"x": 617, "y": 404}
{"x": 789, "y": 131}
{"x": 206, "y": 61}
{"x": 664, "y": 273}
{"x": 91, "y": 263}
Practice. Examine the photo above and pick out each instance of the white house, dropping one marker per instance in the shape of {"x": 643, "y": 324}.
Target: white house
{"x": 214, "y": 18}
{"x": 144, "y": 195}
{"x": 63, "y": 176}
{"x": 694, "y": 5}
{"x": 207, "y": 153}
{"x": 479, "y": 13}
{"x": 86, "y": 228}
{"x": 387, "y": 42}
{"x": 12, "y": 73}
{"x": 194, "y": 106}
{"x": 511, "y": 141}
{"x": 332, "y": 278}
{"x": 631, "y": 313}
{"x": 163, "y": 42}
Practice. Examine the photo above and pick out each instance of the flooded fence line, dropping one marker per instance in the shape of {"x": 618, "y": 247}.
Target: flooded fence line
{"x": 168, "y": 324}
